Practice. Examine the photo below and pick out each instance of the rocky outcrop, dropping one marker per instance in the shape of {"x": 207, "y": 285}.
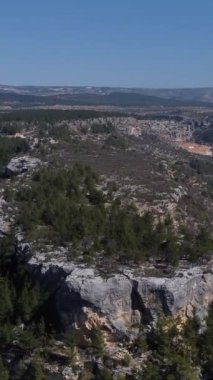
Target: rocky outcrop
{"x": 120, "y": 302}
{"x": 83, "y": 291}
{"x": 19, "y": 165}
{"x": 188, "y": 293}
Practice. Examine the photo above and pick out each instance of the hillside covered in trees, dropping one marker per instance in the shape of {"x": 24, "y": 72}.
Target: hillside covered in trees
{"x": 68, "y": 207}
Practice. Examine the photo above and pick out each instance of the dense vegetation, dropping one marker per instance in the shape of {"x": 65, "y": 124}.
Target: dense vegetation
{"x": 52, "y": 116}
{"x": 9, "y": 128}
{"x": 106, "y": 128}
{"x": 69, "y": 203}
{"x": 10, "y": 146}
{"x": 204, "y": 134}
{"x": 176, "y": 354}
{"x": 22, "y": 326}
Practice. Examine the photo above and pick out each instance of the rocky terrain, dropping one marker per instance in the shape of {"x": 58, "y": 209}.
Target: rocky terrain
{"x": 111, "y": 295}
{"x": 121, "y": 301}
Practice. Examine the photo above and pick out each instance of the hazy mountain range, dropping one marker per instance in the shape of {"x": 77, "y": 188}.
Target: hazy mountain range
{"x": 69, "y": 95}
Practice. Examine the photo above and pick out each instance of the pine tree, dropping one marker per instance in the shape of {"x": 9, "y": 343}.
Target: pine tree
{"x": 98, "y": 341}
{"x": 71, "y": 341}
{"x": 37, "y": 370}
{"x": 3, "y": 371}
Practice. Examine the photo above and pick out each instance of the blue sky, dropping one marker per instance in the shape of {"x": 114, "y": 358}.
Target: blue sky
{"x": 137, "y": 43}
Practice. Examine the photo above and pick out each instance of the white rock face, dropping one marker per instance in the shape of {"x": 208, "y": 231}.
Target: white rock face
{"x": 4, "y": 223}
{"x": 110, "y": 297}
{"x": 121, "y": 301}
{"x": 21, "y": 165}
{"x": 189, "y": 292}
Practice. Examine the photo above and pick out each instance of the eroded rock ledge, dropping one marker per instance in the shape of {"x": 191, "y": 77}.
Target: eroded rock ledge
{"x": 119, "y": 302}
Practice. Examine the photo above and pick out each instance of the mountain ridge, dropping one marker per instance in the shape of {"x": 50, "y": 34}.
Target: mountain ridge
{"x": 110, "y": 96}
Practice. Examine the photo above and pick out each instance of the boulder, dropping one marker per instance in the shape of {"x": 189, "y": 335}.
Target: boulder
{"x": 19, "y": 165}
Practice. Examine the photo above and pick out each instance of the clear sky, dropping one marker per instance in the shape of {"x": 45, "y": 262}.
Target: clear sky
{"x": 132, "y": 43}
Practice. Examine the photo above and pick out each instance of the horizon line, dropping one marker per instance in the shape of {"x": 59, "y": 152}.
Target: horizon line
{"x": 108, "y": 86}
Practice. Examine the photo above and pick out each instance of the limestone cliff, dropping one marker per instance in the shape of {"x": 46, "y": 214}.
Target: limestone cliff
{"x": 119, "y": 302}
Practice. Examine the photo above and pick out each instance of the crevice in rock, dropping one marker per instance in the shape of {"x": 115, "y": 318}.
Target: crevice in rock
{"x": 165, "y": 297}
{"x": 138, "y": 304}
{"x": 49, "y": 312}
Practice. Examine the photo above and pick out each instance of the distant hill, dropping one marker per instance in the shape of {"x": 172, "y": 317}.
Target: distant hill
{"x": 27, "y": 96}
{"x": 184, "y": 94}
